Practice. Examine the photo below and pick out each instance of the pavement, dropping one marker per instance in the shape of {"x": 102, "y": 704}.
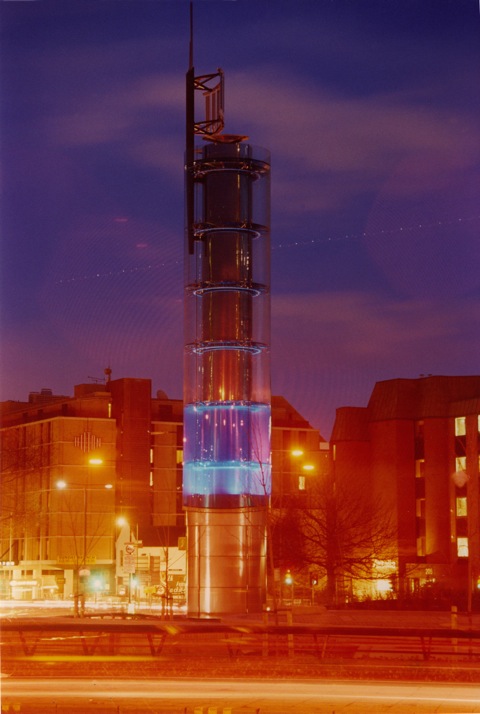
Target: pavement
{"x": 315, "y": 615}
{"x": 322, "y": 616}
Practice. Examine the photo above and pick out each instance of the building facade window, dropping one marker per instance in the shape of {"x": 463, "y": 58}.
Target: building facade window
{"x": 460, "y": 427}
{"x": 461, "y": 506}
{"x": 420, "y": 468}
{"x": 419, "y": 439}
{"x": 301, "y": 483}
{"x": 460, "y": 476}
{"x": 420, "y": 508}
{"x": 420, "y": 429}
{"x": 462, "y": 547}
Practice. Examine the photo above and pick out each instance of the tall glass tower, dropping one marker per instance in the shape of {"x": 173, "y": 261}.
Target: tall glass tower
{"x": 227, "y": 468}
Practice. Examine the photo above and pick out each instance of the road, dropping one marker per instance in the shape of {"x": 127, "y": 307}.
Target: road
{"x": 60, "y": 678}
{"x": 235, "y": 696}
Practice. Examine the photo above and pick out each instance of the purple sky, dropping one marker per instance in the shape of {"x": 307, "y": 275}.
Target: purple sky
{"x": 371, "y": 109}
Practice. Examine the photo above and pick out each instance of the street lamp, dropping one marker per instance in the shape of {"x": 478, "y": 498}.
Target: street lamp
{"x": 288, "y": 457}
{"x": 306, "y": 468}
{"x": 80, "y": 571}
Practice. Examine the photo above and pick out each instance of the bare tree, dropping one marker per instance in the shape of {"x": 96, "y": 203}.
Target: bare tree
{"x": 288, "y": 544}
{"x": 86, "y": 525}
{"x": 23, "y": 482}
{"x": 344, "y": 532}
{"x": 86, "y": 534}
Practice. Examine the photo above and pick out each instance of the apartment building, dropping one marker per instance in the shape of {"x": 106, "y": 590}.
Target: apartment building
{"x": 415, "y": 450}
{"x": 92, "y": 488}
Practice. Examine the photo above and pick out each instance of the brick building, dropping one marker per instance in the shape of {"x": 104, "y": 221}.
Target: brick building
{"x": 415, "y": 447}
{"x": 73, "y": 466}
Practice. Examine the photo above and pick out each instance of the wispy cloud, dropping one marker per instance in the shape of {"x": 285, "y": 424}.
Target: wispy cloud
{"x": 328, "y": 350}
{"x": 327, "y": 149}
{"x": 314, "y": 134}
{"x": 137, "y": 107}
{"x": 330, "y": 141}
{"x": 367, "y": 329}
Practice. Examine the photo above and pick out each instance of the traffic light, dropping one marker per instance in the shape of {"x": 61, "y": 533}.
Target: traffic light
{"x": 288, "y": 580}
{"x": 313, "y": 579}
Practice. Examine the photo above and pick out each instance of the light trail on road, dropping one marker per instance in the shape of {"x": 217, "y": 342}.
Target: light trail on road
{"x": 272, "y": 696}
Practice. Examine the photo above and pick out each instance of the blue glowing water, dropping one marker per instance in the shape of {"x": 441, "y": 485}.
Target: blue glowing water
{"x": 227, "y": 450}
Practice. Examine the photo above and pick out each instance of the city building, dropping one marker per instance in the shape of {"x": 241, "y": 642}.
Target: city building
{"x": 415, "y": 450}
{"x": 92, "y": 490}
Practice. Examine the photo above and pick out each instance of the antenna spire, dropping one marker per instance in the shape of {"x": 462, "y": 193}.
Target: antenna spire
{"x": 190, "y": 56}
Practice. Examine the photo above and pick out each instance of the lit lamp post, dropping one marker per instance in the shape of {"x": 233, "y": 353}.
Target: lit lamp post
{"x": 299, "y": 473}
{"x": 288, "y": 471}
{"x": 289, "y": 483}
{"x": 307, "y": 468}
{"x": 99, "y": 461}
{"x": 81, "y": 570}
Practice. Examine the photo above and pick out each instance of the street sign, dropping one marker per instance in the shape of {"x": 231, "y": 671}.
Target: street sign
{"x": 129, "y": 562}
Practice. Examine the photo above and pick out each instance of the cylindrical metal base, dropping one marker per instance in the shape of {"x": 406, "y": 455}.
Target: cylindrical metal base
{"x": 226, "y": 563}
